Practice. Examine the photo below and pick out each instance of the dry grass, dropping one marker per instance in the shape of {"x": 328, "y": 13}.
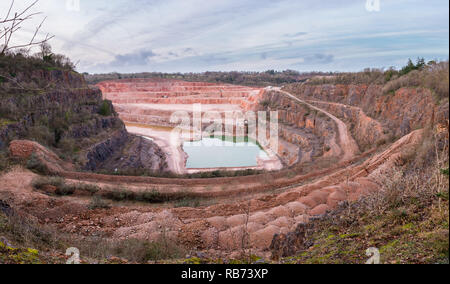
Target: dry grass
{"x": 51, "y": 244}
{"x": 434, "y": 77}
{"x": 61, "y": 187}
{"x": 98, "y": 203}
{"x": 369, "y": 76}
{"x": 407, "y": 220}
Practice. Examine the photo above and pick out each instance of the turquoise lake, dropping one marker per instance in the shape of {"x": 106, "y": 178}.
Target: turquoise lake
{"x": 220, "y": 153}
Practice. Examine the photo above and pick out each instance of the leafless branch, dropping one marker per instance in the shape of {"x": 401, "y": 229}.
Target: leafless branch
{"x": 10, "y": 8}
{"x": 13, "y": 23}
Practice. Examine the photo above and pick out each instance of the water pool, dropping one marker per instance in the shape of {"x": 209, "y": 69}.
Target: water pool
{"x": 222, "y": 153}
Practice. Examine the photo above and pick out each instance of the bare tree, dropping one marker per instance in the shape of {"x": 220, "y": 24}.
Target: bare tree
{"x": 13, "y": 22}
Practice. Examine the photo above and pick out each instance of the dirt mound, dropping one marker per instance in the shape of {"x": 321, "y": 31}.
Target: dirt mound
{"x": 24, "y": 149}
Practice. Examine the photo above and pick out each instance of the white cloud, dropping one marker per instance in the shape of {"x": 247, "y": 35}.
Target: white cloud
{"x": 199, "y": 35}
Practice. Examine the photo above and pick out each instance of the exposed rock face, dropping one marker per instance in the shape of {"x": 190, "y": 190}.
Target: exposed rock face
{"x": 72, "y": 120}
{"x": 306, "y": 133}
{"x": 103, "y": 151}
{"x": 366, "y": 131}
{"x": 145, "y": 101}
{"x": 401, "y": 112}
{"x": 138, "y": 153}
{"x": 94, "y": 127}
{"x": 51, "y": 106}
{"x": 60, "y": 78}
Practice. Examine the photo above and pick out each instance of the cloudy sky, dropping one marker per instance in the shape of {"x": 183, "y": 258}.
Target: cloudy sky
{"x": 252, "y": 35}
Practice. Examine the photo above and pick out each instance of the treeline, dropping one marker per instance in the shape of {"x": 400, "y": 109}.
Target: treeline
{"x": 259, "y": 79}
{"x": 432, "y": 75}
{"x": 373, "y": 75}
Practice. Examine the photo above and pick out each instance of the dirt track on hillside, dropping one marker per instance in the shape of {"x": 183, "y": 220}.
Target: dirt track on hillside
{"x": 347, "y": 144}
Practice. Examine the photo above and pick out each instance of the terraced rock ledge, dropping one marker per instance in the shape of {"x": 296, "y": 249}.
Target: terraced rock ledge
{"x": 333, "y": 149}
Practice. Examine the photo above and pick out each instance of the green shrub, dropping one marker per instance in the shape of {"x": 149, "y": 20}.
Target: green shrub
{"x": 144, "y": 251}
{"x": 36, "y": 165}
{"x": 105, "y": 108}
{"x": 162, "y": 250}
{"x": 390, "y": 74}
{"x": 120, "y": 195}
{"x": 62, "y": 188}
{"x": 90, "y": 188}
{"x": 188, "y": 202}
{"x": 265, "y": 103}
{"x": 410, "y": 66}
{"x": 65, "y": 190}
{"x": 5, "y": 122}
{"x": 98, "y": 203}
{"x": 40, "y": 182}
{"x": 151, "y": 197}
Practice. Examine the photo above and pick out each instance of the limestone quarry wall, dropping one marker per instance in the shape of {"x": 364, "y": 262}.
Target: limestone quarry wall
{"x": 72, "y": 119}
{"x": 399, "y": 112}
{"x": 130, "y": 97}
{"x": 147, "y": 91}
{"x": 310, "y": 131}
{"x": 366, "y": 131}
{"x": 49, "y": 105}
{"x": 304, "y": 134}
{"x": 138, "y": 101}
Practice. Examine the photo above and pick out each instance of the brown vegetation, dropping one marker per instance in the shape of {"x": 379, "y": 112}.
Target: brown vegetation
{"x": 259, "y": 79}
{"x": 407, "y": 220}
{"x": 433, "y": 76}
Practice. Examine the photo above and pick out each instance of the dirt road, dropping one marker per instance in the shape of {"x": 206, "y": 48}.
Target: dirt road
{"x": 348, "y": 146}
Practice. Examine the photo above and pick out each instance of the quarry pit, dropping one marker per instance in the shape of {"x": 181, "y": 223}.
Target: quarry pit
{"x": 331, "y": 149}
{"x": 148, "y": 107}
